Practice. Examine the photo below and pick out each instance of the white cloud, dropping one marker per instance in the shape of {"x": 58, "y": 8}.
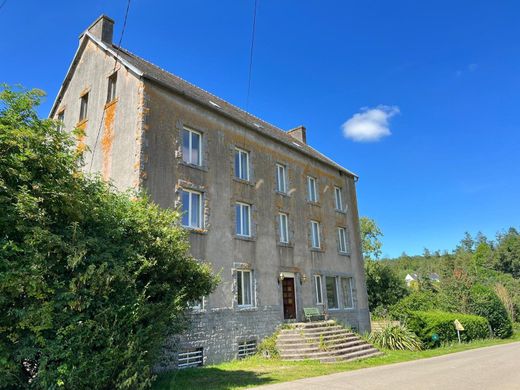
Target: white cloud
{"x": 371, "y": 124}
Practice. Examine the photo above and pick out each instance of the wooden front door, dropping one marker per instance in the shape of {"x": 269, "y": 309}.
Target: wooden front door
{"x": 289, "y": 301}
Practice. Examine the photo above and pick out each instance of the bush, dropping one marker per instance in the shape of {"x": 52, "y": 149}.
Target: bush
{"x": 384, "y": 286}
{"x": 416, "y": 301}
{"x": 91, "y": 280}
{"x": 484, "y": 302}
{"x": 395, "y": 337}
{"x": 426, "y": 324}
{"x": 267, "y": 348}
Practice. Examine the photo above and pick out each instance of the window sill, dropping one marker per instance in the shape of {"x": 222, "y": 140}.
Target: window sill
{"x": 82, "y": 122}
{"x": 196, "y": 230}
{"x": 194, "y": 166}
{"x": 247, "y": 182}
{"x": 111, "y": 103}
{"x": 247, "y": 308}
{"x": 318, "y": 250}
{"x": 285, "y": 244}
{"x": 315, "y": 204}
{"x": 346, "y": 254}
{"x": 344, "y": 212}
{"x": 284, "y": 194}
{"x": 244, "y": 238}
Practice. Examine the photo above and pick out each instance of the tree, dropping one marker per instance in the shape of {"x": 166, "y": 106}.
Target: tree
{"x": 384, "y": 286}
{"x": 467, "y": 244}
{"x": 483, "y": 256}
{"x": 507, "y": 253}
{"x": 370, "y": 242}
{"x": 91, "y": 280}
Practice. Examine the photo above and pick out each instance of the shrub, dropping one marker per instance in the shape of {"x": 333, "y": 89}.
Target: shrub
{"x": 395, "y": 337}
{"x": 91, "y": 280}
{"x": 384, "y": 286}
{"x": 416, "y": 301}
{"x": 426, "y": 324}
{"x": 484, "y": 302}
{"x": 267, "y": 348}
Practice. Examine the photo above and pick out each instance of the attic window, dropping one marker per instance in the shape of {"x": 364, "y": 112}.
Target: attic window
{"x": 214, "y": 104}
{"x": 111, "y": 91}
{"x": 83, "y": 107}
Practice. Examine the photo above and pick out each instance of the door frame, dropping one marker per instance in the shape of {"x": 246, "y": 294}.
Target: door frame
{"x": 290, "y": 275}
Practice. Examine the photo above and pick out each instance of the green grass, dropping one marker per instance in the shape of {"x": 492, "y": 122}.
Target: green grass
{"x": 256, "y": 371}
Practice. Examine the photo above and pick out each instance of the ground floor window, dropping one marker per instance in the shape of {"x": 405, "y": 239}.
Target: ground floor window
{"x": 245, "y": 288}
{"x": 346, "y": 288}
{"x": 246, "y": 348}
{"x": 193, "y": 357}
{"x": 332, "y": 292}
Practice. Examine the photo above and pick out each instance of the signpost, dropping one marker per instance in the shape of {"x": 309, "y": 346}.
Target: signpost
{"x": 458, "y": 327}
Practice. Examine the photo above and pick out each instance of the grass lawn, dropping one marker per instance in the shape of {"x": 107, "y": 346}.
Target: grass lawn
{"x": 256, "y": 371}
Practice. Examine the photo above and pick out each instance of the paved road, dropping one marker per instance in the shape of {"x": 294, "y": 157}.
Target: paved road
{"x": 485, "y": 368}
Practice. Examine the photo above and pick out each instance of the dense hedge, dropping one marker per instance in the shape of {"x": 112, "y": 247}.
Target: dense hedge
{"x": 426, "y": 324}
{"x": 484, "y": 302}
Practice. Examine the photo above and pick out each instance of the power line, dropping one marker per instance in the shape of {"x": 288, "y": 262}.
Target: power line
{"x": 113, "y": 70}
{"x": 251, "y": 55}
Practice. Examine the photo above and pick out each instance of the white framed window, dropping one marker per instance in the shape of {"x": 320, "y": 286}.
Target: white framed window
{"x": 283, "y": 224}
{"x": 192, "y": 209}
{"x": 83, "y": 107}
{"x": 312, "y": 193}
{"x": 243, "y": 219}
{"x": 111, "y": 91}
{"x": 319, "y": 289}
{"x": 346, "y": 289}
{"x": 241, "y": 164}
{"x": 281, "y": 178}
{"x": 343, "y": 244}
{"x": 197, "y": 305}
{"x": 193, "y": 357}
{"x": 191, "y": 147}
{"x": 338, "y": 199}
{"x": 315, "y": 234}
{"x": 245, "y": 288}
{"x": 61, "y": 118}
{"x": 331, "y": 285}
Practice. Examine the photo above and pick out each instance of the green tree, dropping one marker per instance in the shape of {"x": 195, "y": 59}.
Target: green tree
{"x": 370, "y": 238}
{"x": 483, "y": 256}
{"x": 507, "y": 253}
{"x": 91, "y": 280}
{"x": 384, "y": 286}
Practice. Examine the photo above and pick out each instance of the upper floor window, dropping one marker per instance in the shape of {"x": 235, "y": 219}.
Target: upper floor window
{"x": 346, "y": 288}
{"x": 191, "y": 147}
{"x": 61, "y": 118}
{"x": 243, "y": 219}
{"x": 192, "y": 209}
{"x": 319, "y": 291}
{"x": 83, "y": 106}
{"x": 343, "y": 245}
{"x": 315, "y": 235}
{"x": 312, "y": 193}
{"x": 332, "y": 292}
{"x": 111, "y": 91}
{"x": 284, "y": 230}
{"x": 245, "y": 288}
{"x": 241, "y": 164}
{"x": 281, "y": 178}
{"x": 338, "y": 199}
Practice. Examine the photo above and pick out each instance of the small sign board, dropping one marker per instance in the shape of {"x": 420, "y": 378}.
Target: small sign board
{"x": 458, "y": 325}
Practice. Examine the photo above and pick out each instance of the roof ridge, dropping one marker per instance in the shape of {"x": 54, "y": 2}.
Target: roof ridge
{"x": 202, "y": 89}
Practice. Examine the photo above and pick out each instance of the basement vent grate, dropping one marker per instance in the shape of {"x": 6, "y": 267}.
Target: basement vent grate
{"x": 190, "y": 358}
{"x": 246, "y": 348}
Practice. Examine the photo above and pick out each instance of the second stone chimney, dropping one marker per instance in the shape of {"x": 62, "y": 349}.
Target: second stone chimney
{"x": 300, "y": 133}
{"x": 103, "y": 29}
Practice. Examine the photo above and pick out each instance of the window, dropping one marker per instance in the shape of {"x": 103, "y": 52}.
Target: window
{"x": 338, "y": 201}
{"x": 343, "y": 245}
{"x": 346, "y": 288}
{"x": 281, "y": 182}
{"x": 315, "y": 234}
{"x": 190, "y": 358}
{"x": 61, "y": 118}
{"x": 246, "y": 348}
{"x": 241, "y": 164}
{"x": 332, "y": 292}
{"x": 192, "y": 209}
{"x": 317, "y": 283}
{"x": 83, "y": 106}
{"x": 284, "y": 231}
{"x": 243, "y": 219}
{"x": 312, "y": 194}
{"x": 111, "y": 91}
{"x": 191, "y": 147}
{"x": 245, "y": 288}
{"x": 198, "y": 304}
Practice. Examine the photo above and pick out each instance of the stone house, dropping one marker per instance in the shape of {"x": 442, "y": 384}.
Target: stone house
{"x": 277, "y": 219}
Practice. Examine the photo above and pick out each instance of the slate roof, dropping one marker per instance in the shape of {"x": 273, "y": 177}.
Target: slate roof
{"x": 181, "y": 86}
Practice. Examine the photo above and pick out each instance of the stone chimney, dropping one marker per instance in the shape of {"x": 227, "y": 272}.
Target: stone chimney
{"x": 103, "y": 29}
{"x": 300, "y": 133}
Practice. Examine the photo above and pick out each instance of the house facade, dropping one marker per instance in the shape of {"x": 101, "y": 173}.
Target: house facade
{"x": 275, "y": 218}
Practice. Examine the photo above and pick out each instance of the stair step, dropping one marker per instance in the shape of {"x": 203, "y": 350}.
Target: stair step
{"x": 302, "y": 340}
{"x": 327, "y": 353}
{"x": 315, "y": 347}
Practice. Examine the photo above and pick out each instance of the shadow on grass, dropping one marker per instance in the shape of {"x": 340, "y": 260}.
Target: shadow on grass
{"x": 208, "y": 378}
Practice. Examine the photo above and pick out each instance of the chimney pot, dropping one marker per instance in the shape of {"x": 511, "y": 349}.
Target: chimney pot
{"x": 103, "y": 29}
{"x": 300, "y": 133}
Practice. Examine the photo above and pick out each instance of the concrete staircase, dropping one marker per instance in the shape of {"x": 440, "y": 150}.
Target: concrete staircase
{"x": 325, "y": 341}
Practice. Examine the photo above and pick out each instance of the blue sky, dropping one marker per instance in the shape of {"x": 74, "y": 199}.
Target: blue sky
{"x": 441, "y": 77}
